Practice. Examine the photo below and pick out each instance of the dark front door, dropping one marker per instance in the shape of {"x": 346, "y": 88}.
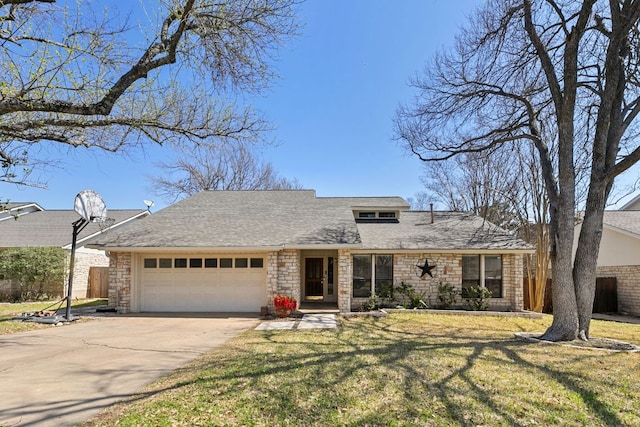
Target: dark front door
{"x": 313, "y": 277}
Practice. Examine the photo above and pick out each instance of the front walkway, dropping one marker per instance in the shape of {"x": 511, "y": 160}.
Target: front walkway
{"x": 308, "y": 321}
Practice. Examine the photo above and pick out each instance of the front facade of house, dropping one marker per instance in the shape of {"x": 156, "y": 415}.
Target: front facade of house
{"x": 232, "y": 251}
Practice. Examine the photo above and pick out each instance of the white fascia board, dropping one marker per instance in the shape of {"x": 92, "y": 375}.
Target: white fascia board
{"x": 187, "y": 249}
{"x": 114, "y": 226}
{"x": 444, "y": 251}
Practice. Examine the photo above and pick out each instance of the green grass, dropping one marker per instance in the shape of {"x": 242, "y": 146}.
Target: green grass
{"x": 9, "y": 311}
{"x": 402, "y": 370}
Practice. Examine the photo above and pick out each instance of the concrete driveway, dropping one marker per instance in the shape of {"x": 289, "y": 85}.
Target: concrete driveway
{"x": 61, "y": 376}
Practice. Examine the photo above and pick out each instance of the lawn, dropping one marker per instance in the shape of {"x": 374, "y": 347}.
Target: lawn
{"x": 406, "y": 369}
{"x": 9, "y": 311}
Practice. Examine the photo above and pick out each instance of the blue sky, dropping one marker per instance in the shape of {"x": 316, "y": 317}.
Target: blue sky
{"x": 332, "y": 108}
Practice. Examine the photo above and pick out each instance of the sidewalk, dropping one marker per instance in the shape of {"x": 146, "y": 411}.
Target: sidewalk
{"x": 308, "y": 321}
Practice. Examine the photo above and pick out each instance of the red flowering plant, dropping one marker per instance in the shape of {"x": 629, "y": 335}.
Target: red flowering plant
{"x": 285, "y": 301}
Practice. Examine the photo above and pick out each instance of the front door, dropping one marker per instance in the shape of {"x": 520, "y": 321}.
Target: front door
{"x": 313, "y": 277}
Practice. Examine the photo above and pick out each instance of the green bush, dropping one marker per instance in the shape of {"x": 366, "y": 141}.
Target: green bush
{"x": 38, "y": 272}
{"x": 411, "y": 298}
{"x": 447, "y": 295}
{"x": 476, "y": 297}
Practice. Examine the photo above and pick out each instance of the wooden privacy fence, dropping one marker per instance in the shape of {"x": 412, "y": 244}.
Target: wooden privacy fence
{"x": 606, "y": 299}
{"x": 98, "y": 282}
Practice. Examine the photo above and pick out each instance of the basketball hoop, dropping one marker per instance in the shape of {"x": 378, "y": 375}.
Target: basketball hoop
{"x": 90, "y": 206}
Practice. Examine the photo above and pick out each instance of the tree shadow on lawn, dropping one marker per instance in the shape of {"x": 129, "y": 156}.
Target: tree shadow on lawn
{"x": 373, "y": 371}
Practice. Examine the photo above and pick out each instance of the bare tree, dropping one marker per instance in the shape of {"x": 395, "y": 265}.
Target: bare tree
{"x": 217, "y": 167}
{"x": 71, "y": 76}
{"x": 477, "y": 183}
{"x": 520, "y": 63}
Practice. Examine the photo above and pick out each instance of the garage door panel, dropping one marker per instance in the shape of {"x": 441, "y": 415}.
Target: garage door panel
{"x": 202, "y": 289}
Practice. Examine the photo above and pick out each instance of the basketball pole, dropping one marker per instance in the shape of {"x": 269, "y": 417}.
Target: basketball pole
{"x": 78, "y": 226}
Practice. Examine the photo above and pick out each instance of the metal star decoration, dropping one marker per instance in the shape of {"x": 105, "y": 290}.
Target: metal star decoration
{"x": 426, "y": 268}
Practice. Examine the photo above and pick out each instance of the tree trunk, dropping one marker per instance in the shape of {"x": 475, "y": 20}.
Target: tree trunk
{"x": 586, "y": 258}
{"x": 565, "y": 314}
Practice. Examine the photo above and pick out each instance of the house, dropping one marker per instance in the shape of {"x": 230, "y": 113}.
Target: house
{"x": 232, "y": 251}
{"x": 619, "y": 254}
{"x": 29, "y": 225}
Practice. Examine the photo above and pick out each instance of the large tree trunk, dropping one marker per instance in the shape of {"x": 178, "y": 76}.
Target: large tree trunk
{"x": 586, "y": 260}
{"x": 565, "y": 314}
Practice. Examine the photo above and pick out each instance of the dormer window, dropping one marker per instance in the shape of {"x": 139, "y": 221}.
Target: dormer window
{"x": 376, "y": 216}
{"x": 366, "y": 214}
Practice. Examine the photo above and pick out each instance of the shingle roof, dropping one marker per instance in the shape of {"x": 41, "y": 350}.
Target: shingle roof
{"x": 449, "y": 231}
{"x": 219, "y": 219}
{"x": 297, "y": 218}
{"x": 628, "y": 221}
{"x": 52, "y": 227}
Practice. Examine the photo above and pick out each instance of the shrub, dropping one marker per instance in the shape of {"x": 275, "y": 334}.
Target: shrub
{"x": 476, "y": 297}
{"x": 35, "y": 270}
{"x": 412, "y": 299}
{"x": 447, "y": 295}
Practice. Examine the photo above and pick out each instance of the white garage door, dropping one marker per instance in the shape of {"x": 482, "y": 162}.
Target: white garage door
{"x": 204, "y": 283}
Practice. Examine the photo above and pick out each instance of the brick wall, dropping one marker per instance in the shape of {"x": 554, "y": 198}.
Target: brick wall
{"x": 120, "y": 281}
{"x": 628, "y": 284}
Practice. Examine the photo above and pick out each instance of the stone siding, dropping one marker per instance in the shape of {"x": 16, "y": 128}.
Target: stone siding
{"x": 283, "y": 274}
{"x": 120, "y": 281}
{"x": 628, "y": 285}
{"x": 85, "y": 259}
{"x": 345, "y": 267}
{"x": 449, "y": 270}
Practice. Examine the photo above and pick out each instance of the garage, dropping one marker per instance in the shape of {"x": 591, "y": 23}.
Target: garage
{"x": 203, "y": 283}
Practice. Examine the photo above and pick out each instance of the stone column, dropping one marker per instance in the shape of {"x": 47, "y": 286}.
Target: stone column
{"x": 345, "y": 267}
{"x": 120, "y": 281}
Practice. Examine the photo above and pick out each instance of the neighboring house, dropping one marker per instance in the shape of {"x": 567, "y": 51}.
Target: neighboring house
{"x": 619, "y": 254}
{"x": 233, "y": 251}
{"x": 29, "y": 225}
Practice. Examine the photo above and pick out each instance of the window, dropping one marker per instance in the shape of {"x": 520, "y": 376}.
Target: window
{"x": 150, "y": 263}
{"x": 226, "y": 262}
{"x": 483, "y": 270}
{"x": 493, "y": 275}
{"x": 371, "y": 270}
{"x": 366, "y": 214}
{"x": 384, "y": 275}
{"x": 195, "y": 263}
{"x": 211, "y": 263}
{"x": 180, "y": 263}
{"x": 256, "y": 263}
{"x": 241, "y": 263}
{"x": 386, "y": 215}
{"x": 361, "y": 276}
{"x": 165, "y": 263}
{"x": 330, "y": 275}
{"x": 470, "y": 271}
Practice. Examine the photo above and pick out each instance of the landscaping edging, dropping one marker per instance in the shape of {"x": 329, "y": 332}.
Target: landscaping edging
{"x": 525, "y": 314}
{"x": 623, "y": 346}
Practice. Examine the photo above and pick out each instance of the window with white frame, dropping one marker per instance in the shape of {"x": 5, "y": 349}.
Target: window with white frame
{"x": 372, "y": 273}
{"x": 483, "y": 270}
